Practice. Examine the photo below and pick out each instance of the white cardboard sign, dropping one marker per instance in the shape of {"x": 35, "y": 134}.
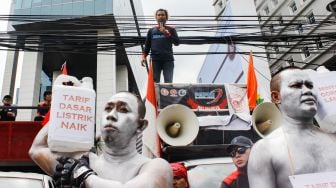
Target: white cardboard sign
{"x": 314, "y": 180}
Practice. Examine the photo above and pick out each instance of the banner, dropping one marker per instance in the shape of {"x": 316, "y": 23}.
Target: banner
{"x": 314, "y": 180}
{"x": 238, "y": 103}
{"x": 203, "y": 99}
{"x": 325, "y": 85}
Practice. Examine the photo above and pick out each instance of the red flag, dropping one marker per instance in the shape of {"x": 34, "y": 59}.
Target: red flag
{"x": 251, "y": 84}
{"x": 151, "y": 146}
{"x": 46, "y": 118}
{"x": 64, "y": 69}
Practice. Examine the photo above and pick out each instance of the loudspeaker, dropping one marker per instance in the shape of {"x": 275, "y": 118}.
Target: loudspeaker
{"x": 266, "y": 117}
{"x": 177, "y": 125}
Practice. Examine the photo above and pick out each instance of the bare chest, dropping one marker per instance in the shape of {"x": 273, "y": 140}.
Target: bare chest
{"x": 122, "y": 172}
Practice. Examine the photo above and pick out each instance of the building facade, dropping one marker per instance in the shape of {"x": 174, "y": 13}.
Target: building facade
{"x": 228, "y": 62}
{"x": 48, "y": 39}
{"x": 302, "y": 32}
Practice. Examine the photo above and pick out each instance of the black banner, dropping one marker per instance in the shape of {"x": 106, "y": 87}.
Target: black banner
{"x": 203, "y": 99}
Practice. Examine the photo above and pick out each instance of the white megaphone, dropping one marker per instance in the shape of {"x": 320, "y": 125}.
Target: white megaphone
{"x": 177, "y": 125}
{"x": 266, "y": 117}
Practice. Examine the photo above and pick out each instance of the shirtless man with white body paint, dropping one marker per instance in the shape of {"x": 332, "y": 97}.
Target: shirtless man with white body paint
{"x": 298, "y": 146}
{"x": 119, "y": 165}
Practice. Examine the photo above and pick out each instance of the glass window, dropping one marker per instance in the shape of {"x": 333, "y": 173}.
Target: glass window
{"x": 18, "y": 4}
{"x": 67, "y": 9}
{"x": 266, "y": 10}
{"x": 46, "y": 2}
{"x": 109, "y": 7}
{"x": 77, "y": 8}
{"x": 36, "y": 11}
{"x": 319, "y": 43}
{"x": 46, "y": 10}
{"x": 293, "y": 7}
{"x": 311, "y": 18}
{"x": 88, "y": 8}
{"x": 306, "y": 52}
{"x": 56, "y": 2}
{"x": 26, "y": 4}
{"x": 37, "y": 1}
{"x": 300, "y": 28}
{"x": 56, "y": 10}
{"x": 99, "y": 6}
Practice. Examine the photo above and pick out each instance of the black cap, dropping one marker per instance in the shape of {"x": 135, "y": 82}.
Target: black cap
{"x": 239, "y": 141}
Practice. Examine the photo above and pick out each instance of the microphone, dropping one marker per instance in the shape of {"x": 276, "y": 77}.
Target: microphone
{"x": 161, "y": 23}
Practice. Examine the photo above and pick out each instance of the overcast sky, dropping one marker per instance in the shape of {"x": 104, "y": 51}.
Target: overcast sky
{"x": 186, "y": 67}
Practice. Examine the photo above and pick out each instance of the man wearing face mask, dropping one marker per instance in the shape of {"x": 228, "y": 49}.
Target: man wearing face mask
{"x": 239, "y": 150}
{"x": 159, "y": 42}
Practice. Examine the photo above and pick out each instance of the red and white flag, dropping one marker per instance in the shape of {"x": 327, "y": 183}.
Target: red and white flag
{"x": 64, "y": 69}
{"x": 151, "y": 146}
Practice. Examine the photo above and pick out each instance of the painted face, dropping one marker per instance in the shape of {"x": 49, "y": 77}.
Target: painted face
{"x": 120, "y": 119}
{"x": 240, "y": 157}
{"x": 161, "y": 16}
{"x": 298, "y": 98}
{"x": 179, "y": 182}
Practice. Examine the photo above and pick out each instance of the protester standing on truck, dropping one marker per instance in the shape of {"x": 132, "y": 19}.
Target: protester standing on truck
{"x": 159, "y": 42}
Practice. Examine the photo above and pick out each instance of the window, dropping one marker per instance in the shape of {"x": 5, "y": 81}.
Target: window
{"x": 306, "y": 52}
{"x": 290, "y": 61}
{"x": 276, "y": 49}
{"x": 27, "y": 4}
{"x": 18, "y": 4}
{"x": 319, "y": 43}
{"x": 311, "y": 18}
{"x": 300, "y": 28}
{"x": 293, "y": 7}
{"x": 266, "y": 10}
{"x": 280, "y": 19}
{"x": 220, "y": 4}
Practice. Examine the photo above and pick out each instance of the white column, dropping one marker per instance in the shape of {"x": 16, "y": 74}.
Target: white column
{"x": 106, "y": 79}
{"x": 9, "y": 73}
{"x": 122, "y": 75}
{"x": 30, "y": 84}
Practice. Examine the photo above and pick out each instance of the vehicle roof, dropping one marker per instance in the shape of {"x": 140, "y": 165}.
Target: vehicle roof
{"x": 206, "y": 161}
{"x": 28, "y": 175}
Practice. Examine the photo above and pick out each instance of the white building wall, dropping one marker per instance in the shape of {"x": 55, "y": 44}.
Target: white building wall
{"x": 106, "y": 79}
{"x": 30, "y": 84}
{"x": 12, "y": 56}
{"x": 122, "y": 78}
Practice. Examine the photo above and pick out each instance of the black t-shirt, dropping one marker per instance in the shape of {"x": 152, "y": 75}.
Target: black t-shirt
{"x": 4, "y": 115}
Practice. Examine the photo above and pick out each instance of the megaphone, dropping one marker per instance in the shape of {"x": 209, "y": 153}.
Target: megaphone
{"x": 177, "y": 125}
{"x": 266, "y": 117}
